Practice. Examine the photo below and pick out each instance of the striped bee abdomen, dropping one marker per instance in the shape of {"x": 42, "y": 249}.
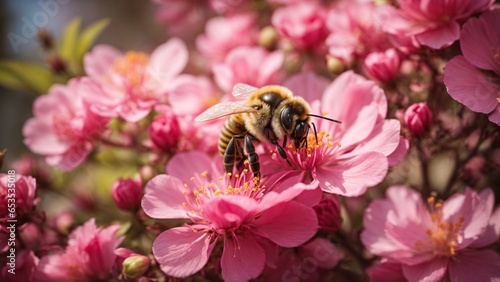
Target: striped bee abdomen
{"x": 234, "y": 125}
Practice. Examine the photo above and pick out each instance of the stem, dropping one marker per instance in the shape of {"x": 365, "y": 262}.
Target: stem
{"x": 424, "y": 166}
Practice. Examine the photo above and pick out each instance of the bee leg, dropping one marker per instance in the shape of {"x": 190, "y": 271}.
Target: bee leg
{"x": 253, "y": 158}
{"x": 281, "y": 151}
{"x": 284, "y": 141}
{"x": 229, "y": 156}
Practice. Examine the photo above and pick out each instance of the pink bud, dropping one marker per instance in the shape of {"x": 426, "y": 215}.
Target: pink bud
{"x": 418, "y": 117}
{"x": 328, "y": 212}
{"x": 127, "y": 194}
{"x": 383, "y": 66}
{"x": 164, "y": 131}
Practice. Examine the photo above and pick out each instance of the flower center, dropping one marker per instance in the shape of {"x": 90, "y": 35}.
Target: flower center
{"x": 203, "y": 189}
{"x": 132, "y": 67}
{"x": 318, "y": 148}
{"x": 442, "y": 237}
{"x": 67, "y": 127}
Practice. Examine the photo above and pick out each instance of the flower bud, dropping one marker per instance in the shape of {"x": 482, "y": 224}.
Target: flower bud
{"x": 164, "y": 131}
{"x": 383, "y": 66}
{"x": 135, "y": 266}
{"x": 268, "y": 37}
{"x": 127, "y": 194}
{"x": 335, "y": 65}
{"x": 418, "y": 117}
{"x": 328, "y": 212}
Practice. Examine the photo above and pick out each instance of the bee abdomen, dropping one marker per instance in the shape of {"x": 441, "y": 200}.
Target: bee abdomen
{"x": 233, "y": 126}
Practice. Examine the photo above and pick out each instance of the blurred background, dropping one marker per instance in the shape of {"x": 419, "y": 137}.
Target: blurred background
{"x": 132, "y": 27}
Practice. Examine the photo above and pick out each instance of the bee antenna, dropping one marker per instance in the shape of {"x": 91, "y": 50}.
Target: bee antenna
{"x": 330, "y": 119}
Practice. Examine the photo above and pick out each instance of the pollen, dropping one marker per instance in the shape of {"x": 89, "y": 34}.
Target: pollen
{"x": 204, "y": 174}
{"x": 442, "y": 237}
{"x": 132, "y": 67}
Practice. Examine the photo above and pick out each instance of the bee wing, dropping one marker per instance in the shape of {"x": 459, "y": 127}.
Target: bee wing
{"x": 243, "y": 90}
{"x": 224, "y": 109}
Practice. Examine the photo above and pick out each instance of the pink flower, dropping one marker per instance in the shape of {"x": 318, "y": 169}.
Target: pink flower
{"x": 303, "y": 24}
{"x": 434, "y": 25}
{"x": 328, "y": 212}
{"x": 63, "y": 127}
{"x": 24, "y": 267}
{"x": 383, "y": 66}
{"x": 191, "y": 95}
{"x": 355, "y": 31}
{"x": 304, "y": 263}
{"x": 418, "y": 117}
{"x": 89, "y": 256}
{"x": 386, "y": 271}
{"x": 129, "y": 85}
{"x": 346, "y": 158}
{"x": 231, "y": 209}
{"x": 251, "y": 65}
{"x": 164, "y": 131}
{"x": 438, "y": 240}
{"x": 127, "y": 194}
{"x": 182, "y": 17}
{"x": 17, "y": 196}
{"x": 472, "y": 79}
{"x": 219, "y": 37}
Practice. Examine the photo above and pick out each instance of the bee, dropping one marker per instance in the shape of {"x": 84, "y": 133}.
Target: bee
{"x": 269, "y": 114}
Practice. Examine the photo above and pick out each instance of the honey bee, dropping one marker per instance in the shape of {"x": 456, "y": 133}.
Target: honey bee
{"x": 269, "y": 114}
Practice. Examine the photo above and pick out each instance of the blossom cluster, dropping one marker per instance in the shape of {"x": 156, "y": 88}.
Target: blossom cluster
{"x": 403, "y": 188}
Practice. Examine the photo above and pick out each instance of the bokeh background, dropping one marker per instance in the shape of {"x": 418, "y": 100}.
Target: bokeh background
{"x": 132, "y": 27}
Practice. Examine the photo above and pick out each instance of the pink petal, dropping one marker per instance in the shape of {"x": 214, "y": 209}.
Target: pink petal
{"x": 293, "y": 190}
{"x": 163, "y": 198}
{"x": 472, "y": 209}
{"x": 322, "y": 251}
{"x": 189, "y": 164}
{"x": 495, "y": 116}
{"x": 269, "y": 68}
{"x": 353, "y": 98}
{"x": 353, "y": 176}
{"x": 384, "y": 139}
{"x": 374, "y": 235}
{"x": 287, "y": 224}
{"x": 242, "y": 259}
{"x": 441, "y": 37}
{"x": 431, "y": 271}
{"x": 223, "y": 77}
{"x": 190, "y": 94}
{"x": 472, "y": 265}
{"x": 72, "y": 157}
{"x": 169, "y": 59}
{"x": 477, "y": 38}
{"x": 400, "y": 153}
{"x": 386, "y": 271}
{"x": 181, "y": 252}
{"x": 492, "y": 232}
{"x": 40, "y": 137}
{"x": 469, "y": 86}
{"x": 307, "y": 85}
{"x": 99, "y": 60}
{"x": 226, "y": 212}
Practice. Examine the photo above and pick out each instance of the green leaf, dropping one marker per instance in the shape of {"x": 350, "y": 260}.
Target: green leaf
{"x": 69, "y": 40}
{"x": 25, "y": 76}
{"x": 88, "y": 36}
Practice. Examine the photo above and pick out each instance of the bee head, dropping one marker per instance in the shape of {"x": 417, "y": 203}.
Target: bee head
{"x": 295, "y": 120}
